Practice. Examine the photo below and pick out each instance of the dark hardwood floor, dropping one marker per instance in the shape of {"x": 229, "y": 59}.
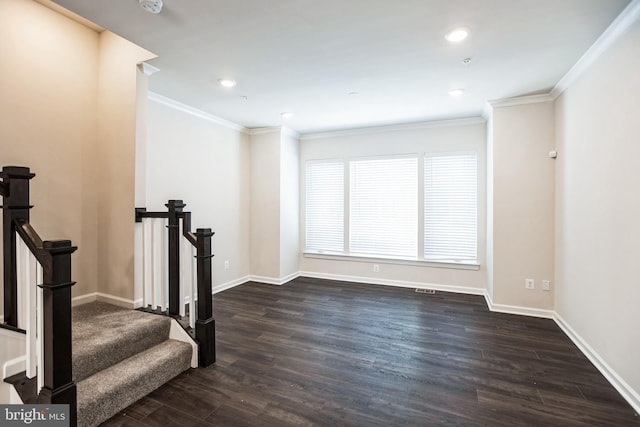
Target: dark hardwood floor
{"x": 324, "y": 353}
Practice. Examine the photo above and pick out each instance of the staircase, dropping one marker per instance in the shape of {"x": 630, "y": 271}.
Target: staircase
{"x": 120, "y": 356}
{"x": 99, "y": 358}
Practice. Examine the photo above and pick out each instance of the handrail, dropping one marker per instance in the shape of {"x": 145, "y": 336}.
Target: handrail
{"x": 201, "y": 240}
{"x": 32, "y": 240}
{"x": 55, "y": 258}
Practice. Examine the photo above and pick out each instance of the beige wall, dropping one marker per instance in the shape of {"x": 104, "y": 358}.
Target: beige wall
{"x": 265, "y": 205}
{"x": 289, "y": 204}
{"x": 522, "y": 204}
{"x": 436, "y": 137}
{"x": 68, "y": 112}
{"x": 48, "y": 122}
{"x": 117, "y": 96}
{"x": 598, "y": 207}
{"x": 207, "y": 166}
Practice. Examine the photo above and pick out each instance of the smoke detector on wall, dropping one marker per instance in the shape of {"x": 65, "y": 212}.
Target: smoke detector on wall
{"x": 153, "y": 6}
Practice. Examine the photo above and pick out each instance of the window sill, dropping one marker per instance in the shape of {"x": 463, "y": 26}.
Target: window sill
{"x": 389, "y": 260}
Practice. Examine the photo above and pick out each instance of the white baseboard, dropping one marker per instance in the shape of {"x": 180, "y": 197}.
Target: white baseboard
{"x": 14, "y": 366}
{"x": 231, "y": 284}
{"x": 109, "y": 299}
{"x": 274, "y": 280}
{"x": 396, "y": 283}
{"x": 133, "y": 304}
{"x": 629, "y": 394}
{"x": 514, "y": 309}
{"x": 84, "y": 299}
{"x": 120, "y": 302}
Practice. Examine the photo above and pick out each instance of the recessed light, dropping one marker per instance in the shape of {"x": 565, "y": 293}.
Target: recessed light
{"x": 457, "y": 35}
{"x": 456, "y": 92}
{"x": 352, "y": 93}
{"x": 227, "y": 82}
{"x": 466, "y": 61}
{"x": 286, "y": 115}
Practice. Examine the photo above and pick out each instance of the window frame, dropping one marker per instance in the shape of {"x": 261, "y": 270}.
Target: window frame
{"x": 419, "y": 260}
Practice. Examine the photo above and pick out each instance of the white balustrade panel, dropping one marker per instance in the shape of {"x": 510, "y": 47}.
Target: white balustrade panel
{"x": 154, "y": 270}
{"x": 29, "y": 276}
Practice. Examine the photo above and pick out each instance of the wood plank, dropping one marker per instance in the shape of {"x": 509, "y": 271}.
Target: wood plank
{"x": 321, "y": 353}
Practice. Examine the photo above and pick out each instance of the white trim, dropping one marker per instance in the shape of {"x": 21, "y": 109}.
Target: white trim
{"x": 14, "y": 366}
{"x": 1, "y": 318}
{"x": 520, "y": 100}
{"x": 260, "y": 131}
{"x": 178, "y": 333}
{"x": 617, "y": 28}
{"x": 273, "y": 280}
{"x": 515, "y": 309}
{"x": 84, "y": 299}
{"x": 120, "y": 302}
{"x": 176, "y": 105}
{"x": 395, "y": 261}
{"x": 148, "y": 69}
{"x": 396, "y": 283}
{"x": 397, "y": 127}
{"x": 109, "y": 299}
{"x": 231, "y": 284}
{"x": 609, "y": 373}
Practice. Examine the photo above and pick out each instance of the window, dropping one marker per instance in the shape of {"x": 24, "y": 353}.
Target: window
{"x": 451, "y": 207}
{"x": 384, "y": 207}
{"x": 402, "y": 207}
{"x": 325, "y": 206}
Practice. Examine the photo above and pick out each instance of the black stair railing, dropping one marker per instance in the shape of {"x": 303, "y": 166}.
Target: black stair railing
{"x": 55, "y": 258}
{"x": 201, "y": 240}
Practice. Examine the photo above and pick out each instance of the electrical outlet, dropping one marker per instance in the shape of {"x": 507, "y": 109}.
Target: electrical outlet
{"x": 529, "y": 283}
{"x": 226, "y": 265}
{"x": 546, "y": 285}
{"x": 376, "y": 268}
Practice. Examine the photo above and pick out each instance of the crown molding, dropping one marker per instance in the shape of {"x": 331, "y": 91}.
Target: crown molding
{"x": 393, "y": 128}
{"x": 519, "y": 100}
{"x": 617, "y": 28}
{"x": 263, "y": 130}
{"x": 148, "y": 69}
{"x": 176, "y": 105}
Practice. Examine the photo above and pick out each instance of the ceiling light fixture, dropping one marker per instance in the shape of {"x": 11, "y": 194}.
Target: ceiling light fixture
{"x": 227, "y": 82}
{"x": 153, "y": 6}
{"x": 457, "y": 35}
{"x": 456, "y": 92}
{"x": 286, "y": 115}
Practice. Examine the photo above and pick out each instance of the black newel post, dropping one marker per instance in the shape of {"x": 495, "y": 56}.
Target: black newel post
{"x": 205, "y": 324}
{"x": 56, "y": 301}
{"x": 15, "y": 189}
{"x": 175, "y": 208}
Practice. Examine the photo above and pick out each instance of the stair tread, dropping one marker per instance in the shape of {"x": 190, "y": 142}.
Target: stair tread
{"x": 104, "y": 334}
{"x": 103, "y": 394}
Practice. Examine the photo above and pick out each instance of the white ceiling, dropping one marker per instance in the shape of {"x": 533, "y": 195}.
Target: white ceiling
{"x": 306, "y": 56}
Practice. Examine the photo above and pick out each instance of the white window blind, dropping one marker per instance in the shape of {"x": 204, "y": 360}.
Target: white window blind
{"x": 384, "y": 207}
{"x": 450, "y": 207}
{"x": 325, "y": 206}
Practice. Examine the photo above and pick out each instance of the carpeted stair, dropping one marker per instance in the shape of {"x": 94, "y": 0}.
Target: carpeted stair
{"x": 120, "y": 356}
